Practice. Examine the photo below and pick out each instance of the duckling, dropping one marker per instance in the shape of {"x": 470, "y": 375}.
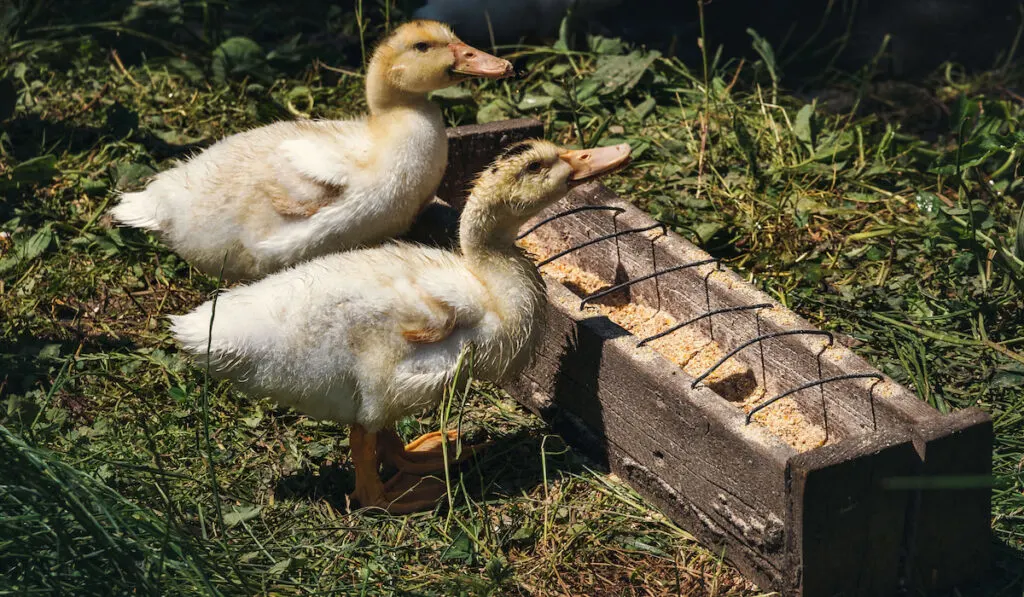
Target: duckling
{"x": 369, "y": 336}
{"x": 270, "y": 197}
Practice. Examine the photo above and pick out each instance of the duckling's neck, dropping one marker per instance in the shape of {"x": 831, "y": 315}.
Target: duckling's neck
{"x": 484, "y": 236}
{"x": 513, "y": 283}
{"x": 382, "y": 97}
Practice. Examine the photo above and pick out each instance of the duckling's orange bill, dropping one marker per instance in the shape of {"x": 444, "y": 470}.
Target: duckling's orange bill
{"x": 471, "y": 61}
{"x": 598, "y": 160}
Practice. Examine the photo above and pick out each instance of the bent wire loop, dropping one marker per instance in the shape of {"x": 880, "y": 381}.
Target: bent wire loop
{"x": 707, "y": 314}
{"x": 820, "y": 382}
{"x": 733, "y": 352}
{"x": 607, "y": 291}
{"x": 811, "y": 384}
{"x": 569, "y": 212}
{"x": 599, "y": 239}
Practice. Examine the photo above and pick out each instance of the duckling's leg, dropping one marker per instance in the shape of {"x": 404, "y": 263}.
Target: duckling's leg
{"x": 401, "y": 495}
{"x": 422, "y": 455}
{"x": 369, "y": 489}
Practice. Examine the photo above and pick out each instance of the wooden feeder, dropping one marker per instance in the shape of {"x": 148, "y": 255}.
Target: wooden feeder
{"x": 846, "y": 485}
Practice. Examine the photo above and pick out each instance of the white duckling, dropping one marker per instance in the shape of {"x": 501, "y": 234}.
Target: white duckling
{"x": 270, "y": 197}
{"x": 369, "y": 336}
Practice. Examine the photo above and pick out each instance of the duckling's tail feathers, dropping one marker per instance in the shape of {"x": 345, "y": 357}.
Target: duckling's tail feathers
{"x": 140, "y": 210}
{"x": 192, "y": 331}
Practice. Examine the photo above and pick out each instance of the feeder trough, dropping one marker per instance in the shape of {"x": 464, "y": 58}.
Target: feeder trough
{"x": 766, "y": 438}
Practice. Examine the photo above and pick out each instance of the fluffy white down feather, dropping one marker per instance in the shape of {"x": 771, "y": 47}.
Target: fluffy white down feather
{"x": 364, "y": 183}
{"x": 325, "y": 336}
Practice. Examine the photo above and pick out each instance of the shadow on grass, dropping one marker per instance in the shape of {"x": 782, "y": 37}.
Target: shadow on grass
{"x": 1004, "y": 579}
{"x": 509, "y": 466}
{"x": 27, "y": 360}
{"x": 34, "y": 136}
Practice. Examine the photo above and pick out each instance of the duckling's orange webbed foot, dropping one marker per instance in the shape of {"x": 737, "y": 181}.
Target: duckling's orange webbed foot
{"x": 413, "y": 493}
{"x": 402, "y": 494}
{"x": 423, "y": 455}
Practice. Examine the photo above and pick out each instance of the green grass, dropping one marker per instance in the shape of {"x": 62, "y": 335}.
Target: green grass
{"x": 885, "y": 211}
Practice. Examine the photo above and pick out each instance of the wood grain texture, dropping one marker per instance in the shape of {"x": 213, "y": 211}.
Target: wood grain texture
{"x": 846, "y": 523}
{"x": 954, "y": 495}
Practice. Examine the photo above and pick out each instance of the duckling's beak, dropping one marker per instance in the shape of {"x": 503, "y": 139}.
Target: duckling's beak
{"x": 599, "y": 160}
{"x": 471, "y": 61}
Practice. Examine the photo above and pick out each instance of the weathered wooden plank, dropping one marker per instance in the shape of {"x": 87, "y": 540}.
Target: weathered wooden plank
{"x": 951, "y": 539}
{"x": 471, "y": 148}
{"x": 845, "y": 523}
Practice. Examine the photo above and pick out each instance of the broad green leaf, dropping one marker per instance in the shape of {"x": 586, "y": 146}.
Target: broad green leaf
{"x": 803, "y": 125}
{"x": 606, "y": 45}
{"x": 280, "y": 567}
{"x": 317, "y": 449}
{"x": 587, "y": 89}
{"x": 552, "y": 90}
{"x": 1009, "y": 376}
{"x": 535, "y": 102}
{"x": 237, "y": 56}
{"x": 128, "y": 175}
{"x": 454, "y": 93}
{"x": 492, "y": 112}
{"x": 764, "y": 50}
{"x": 26, "y": 250}
{"x": 154, "y": 11}
{"x": 644, "y": 108}
{"x": 460, "y": 549}
{"x": 557, "y": 70}
{"x": 241, "y": 514}
{"x": 622, "y": 73}
{"x": 706, "y": 230}
{"x": 176, "y": 137}
{"x": 562, "y": 43}
{"x": 830, "y": 148}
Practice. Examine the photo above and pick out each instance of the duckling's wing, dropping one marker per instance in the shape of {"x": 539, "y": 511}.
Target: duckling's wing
{"x": 433, "y": 297}
{"x": 314, "y": 169}
{"x": 432, "y": 329}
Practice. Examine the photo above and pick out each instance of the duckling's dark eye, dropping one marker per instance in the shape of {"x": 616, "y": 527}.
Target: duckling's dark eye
{"x": 421, "y": 46}
{"x": 533, "y": 167}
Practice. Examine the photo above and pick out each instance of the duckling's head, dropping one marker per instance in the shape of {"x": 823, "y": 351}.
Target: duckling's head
{"x": 424, "y": 56}
{"x": 526, "y": 178}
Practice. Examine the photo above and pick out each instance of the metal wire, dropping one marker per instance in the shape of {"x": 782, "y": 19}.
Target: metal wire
{"x": 707, "y": 298}
{"x": 759, "y": 340}
{"x": 599, "y": 239}
{"x": 811, "y": 384}
{"x": 569, "y": 212}
{"x": 831, "y": 341}
{"x": 679, "y": 326}
{"x": 667, "y": 270}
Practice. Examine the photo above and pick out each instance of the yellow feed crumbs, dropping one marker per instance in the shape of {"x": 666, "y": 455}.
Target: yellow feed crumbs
{"x": 688, "y": 348}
